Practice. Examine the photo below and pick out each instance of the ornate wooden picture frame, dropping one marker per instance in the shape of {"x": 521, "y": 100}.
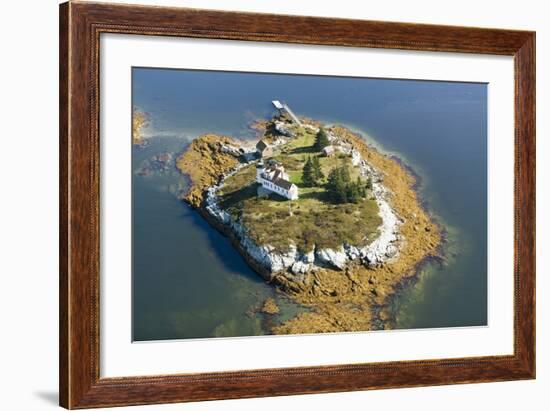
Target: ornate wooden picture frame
{"x": 81, "y": 25}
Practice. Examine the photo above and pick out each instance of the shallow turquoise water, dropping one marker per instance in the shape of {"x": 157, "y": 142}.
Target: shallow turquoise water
{"x": 188, "y": 280}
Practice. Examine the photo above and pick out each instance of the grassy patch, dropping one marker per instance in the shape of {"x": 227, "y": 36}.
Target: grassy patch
{"x": 237, "y": 181}
{"x": 237, "y": 189}
{"x": 308, "y": 221}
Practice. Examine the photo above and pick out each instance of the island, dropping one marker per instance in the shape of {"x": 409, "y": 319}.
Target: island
{"x": 326, "y": 218}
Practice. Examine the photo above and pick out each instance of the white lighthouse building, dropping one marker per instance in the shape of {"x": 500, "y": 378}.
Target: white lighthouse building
{"x": 273, "y": 178}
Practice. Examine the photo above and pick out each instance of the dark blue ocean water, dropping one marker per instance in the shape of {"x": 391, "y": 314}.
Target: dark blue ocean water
{"x": 189, "y": 282}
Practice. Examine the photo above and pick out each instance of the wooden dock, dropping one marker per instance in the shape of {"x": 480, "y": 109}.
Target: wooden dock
{"x": 284, "y": 108}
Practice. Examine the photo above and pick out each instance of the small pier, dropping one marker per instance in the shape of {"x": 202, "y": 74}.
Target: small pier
{"x": 285, "y": 109}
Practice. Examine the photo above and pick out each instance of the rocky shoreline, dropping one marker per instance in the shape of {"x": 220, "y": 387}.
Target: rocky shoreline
{"x": 342, "y": 285}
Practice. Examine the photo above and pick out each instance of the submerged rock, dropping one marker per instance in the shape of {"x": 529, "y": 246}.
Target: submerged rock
{"x": 269, "y": 307}
{"x": 158, "y": 164}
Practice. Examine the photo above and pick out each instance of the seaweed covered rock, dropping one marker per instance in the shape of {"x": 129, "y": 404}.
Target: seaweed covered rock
{"x": 206, "y": 161}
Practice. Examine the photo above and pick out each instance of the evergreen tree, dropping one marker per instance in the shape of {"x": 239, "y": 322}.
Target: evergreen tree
{"x": 332, "y": 182}
{"x": 321, "y": 140}
{"x": 308, "y": 177}
{"x": 317, "y": 172}
{"x": 352, "y": 193}
{"x": 341, "y": 189}
{"x": 336, "y": 186}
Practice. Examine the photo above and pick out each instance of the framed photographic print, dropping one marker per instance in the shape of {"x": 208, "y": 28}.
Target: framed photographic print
{"x": 257, "y": 205}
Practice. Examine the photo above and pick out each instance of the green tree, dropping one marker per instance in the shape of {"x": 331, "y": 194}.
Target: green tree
{"x": 317, "y": 172}
{"x": 352, "y": 193}
{"x": 345, "y": 173}
{"x": 341, "y": 189}
{"x": 336, "y": 186}
{"x": 308, "y": 177}
{"x": 321, "y": 140}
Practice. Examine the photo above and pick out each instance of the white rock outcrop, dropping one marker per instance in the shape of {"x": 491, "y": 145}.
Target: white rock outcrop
{"x": 246, "y": 153}
{"x": 300, "y": 267}
{"x": 385, "y": 245}
{"x": 335, "y": 258}
{"x": 283, "y": 129}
